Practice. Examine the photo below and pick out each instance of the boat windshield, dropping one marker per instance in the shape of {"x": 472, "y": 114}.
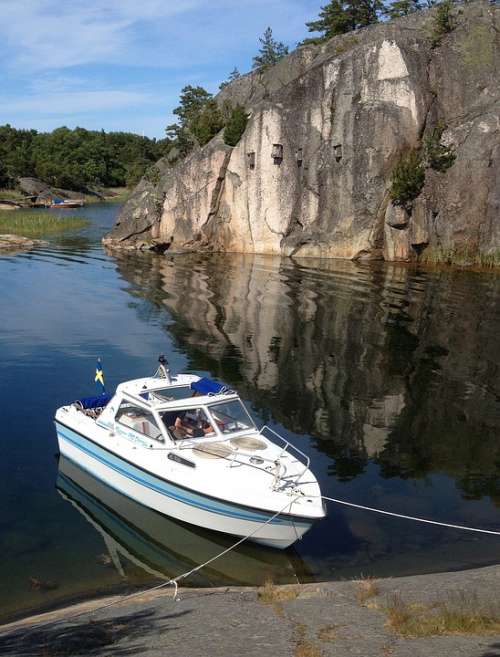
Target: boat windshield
{"x": 231, "y": 416}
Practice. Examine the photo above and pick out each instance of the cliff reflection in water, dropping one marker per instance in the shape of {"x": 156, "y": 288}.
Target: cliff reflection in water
{"x": 375, "y": 362}
{"x": 391, "y": 373}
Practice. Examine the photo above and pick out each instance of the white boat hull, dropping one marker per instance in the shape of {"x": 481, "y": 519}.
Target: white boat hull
{"x": 178, "y": 502}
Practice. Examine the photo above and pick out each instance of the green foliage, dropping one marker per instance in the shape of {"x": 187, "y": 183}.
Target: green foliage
{"x": 75, "y": 159}
{"x": 208, "y": 123}
{"x": 408, "y": 178}
{"x": 153, "y": 175}
{"x": 4, "y": 178}
{"x": 341, "y": 16}
{"x": 438, "y": 156}
{"x": 234, "y": 75}
{"x": 192, "y": 101}
{"x": 199, "y": 120}
{"x": 399, "y": 8}
{"x": 442, "y": 22}
{"x": 235, "y": 125}
{"x": 270, "y": 51}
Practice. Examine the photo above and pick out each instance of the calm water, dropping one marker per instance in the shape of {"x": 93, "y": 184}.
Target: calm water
{"x": 386, "y": 376}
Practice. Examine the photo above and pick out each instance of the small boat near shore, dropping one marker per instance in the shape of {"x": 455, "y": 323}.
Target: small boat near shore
{"x": 186, "y": 447}
{"x": 60, "y": 203}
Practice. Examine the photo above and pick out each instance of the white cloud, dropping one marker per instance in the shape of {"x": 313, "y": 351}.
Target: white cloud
{"x": 93, "y": 62}
{"x": 40, "y": 35}
{"x": 74, "y": 102}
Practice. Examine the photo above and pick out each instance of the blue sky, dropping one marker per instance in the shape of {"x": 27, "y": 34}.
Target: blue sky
{"x": 120, "y": 64}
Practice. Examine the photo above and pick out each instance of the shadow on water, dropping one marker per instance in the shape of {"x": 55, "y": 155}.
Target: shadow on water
{"x": 163, "y": 547}
{"x": 65, "y": 639}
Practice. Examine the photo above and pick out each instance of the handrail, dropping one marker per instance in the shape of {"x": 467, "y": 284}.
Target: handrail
{"x": 188, "y": 444}
{"x": 288, "y": 444}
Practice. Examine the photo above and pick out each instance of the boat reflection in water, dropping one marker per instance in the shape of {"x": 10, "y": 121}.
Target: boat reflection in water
{"x": 165, "y": 548}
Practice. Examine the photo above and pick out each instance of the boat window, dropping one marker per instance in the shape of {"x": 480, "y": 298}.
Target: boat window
{"x": 231, "y": 416}
{"x": 139, "y": 420}
{"x": 188, "y": 423}
{"x": 169, "y": 394}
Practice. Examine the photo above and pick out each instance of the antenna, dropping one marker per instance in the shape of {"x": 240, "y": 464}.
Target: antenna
{"x": 163, "y": 372}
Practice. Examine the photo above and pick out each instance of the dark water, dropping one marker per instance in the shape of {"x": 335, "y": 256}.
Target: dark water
{"x": 386, "y": 376}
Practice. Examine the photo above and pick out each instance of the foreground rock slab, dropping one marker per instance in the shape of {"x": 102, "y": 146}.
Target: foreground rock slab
{"x": 313, "y": 620}
{"x": 12, "y": 243}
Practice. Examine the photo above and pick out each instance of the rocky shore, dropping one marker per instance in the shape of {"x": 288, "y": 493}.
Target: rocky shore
{"x": 15, "y": 243}
{"x": 360, "y": 617}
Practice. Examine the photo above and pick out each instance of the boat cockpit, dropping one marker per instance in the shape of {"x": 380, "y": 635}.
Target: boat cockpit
{"x": 168, "y": 414}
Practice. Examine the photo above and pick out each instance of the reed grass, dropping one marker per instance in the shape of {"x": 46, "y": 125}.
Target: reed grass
{"x": 304, "y": 647}
{"x": 270, "y": 593}
{"x": 459, "y": 613}
{"x": 366, "y": 589}
{"x": 11, "y": 195}
{"x": 39, "y": 223}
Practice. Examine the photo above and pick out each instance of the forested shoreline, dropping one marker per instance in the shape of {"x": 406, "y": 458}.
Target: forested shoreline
{"x": 76, "y": 159}
{"x": 79, "y": 159}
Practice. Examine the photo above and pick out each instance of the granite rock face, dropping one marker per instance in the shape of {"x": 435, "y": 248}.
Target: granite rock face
{"x": 312, "y": 172}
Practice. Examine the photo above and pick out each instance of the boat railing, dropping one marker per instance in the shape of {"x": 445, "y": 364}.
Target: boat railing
{"x": 286, "y": 447}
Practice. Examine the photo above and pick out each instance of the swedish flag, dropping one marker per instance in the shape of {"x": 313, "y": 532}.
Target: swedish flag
{"x": 99, "y": 377}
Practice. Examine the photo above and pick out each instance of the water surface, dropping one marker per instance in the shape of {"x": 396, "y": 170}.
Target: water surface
{"x": 387, "y": 376}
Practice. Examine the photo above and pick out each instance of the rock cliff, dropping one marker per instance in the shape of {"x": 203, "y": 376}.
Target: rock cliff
{"x": 312, "y": 172}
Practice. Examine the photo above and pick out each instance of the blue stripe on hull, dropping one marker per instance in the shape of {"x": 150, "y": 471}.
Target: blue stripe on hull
{"x": 164, "y": 488}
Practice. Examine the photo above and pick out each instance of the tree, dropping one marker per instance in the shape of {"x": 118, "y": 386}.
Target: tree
{"x": 75, "y": 159}
{"x": 408, "y": 178}
{"x": 341, "y": 16}
{"x": 270, "y": 52}
{"x": 207, "y": 123}
{"x": 199, "y": 119}
{"x": 400, "y": 8}
{"x": 234, "y": 75}
{"x": 235, "y": 126}
{"x": 192, "y": 101}
{"x": 442, "y": 22}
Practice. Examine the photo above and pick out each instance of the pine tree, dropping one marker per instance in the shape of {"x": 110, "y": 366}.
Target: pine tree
{"x": 400, "y": 8}
{"x": 199, "y": 119}
{"x": 207, "y": 123}
{"x": 442, "y": 22}
{"x": 235, "y": 126}
{"x": 341, "y": 16}
{"x": 270, "y": 52}
{"x": 234, "y": 75}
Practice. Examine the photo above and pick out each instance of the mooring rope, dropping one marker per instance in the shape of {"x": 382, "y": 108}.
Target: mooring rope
{"x": 405, "y": 517}
{"x": 174, "y": 581}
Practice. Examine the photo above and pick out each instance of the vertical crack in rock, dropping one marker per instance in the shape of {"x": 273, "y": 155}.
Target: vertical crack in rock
{"x": 351, "y": 106}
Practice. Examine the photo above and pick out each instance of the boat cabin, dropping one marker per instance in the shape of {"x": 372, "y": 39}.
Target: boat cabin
{"x": 155, "y": 412}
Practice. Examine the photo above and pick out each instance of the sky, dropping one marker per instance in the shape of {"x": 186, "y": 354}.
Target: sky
{"x": 120, "y": 64}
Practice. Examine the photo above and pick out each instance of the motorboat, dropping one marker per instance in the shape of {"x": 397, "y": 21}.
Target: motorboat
{"x": 59, "y": 203}
{"x": 186, "y": 447}
{"x": 162, "y": 547}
